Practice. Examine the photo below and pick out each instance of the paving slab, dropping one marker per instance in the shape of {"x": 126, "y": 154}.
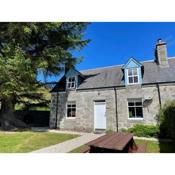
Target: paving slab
{"x": 69, "y": 145}
{"x": 46, "y": 129}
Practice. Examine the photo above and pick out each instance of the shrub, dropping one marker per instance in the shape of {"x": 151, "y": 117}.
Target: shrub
{"x": 141, "y": 130}
{"x": 109, "y": 131}
{"x": 166, "y": 118}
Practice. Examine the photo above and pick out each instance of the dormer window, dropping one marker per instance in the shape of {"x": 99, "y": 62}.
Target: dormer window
{"x": 71, "y": 82}
{"x": 132, "y": 72}
{"x": 133, "y": 76}
{"x": 73, "y": 78}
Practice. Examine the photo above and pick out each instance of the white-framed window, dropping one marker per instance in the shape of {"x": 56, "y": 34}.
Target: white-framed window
{"x": 133, "y": 76}
{"x": 135, "y": 108}
{"x": 71, "y": 82}
{"x": 71, "y": 109}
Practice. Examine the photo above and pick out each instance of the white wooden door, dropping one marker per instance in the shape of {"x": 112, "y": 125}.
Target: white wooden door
{"x": 99, "y": 115}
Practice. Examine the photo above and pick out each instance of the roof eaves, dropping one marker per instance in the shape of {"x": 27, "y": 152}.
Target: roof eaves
{"x": 132, "y": 59}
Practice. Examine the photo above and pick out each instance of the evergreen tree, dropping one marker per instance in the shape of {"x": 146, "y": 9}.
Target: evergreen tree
{"x": 25, "y": 49}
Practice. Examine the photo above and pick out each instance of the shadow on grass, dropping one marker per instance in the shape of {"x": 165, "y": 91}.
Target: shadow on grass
{"x": 25, "y": 130}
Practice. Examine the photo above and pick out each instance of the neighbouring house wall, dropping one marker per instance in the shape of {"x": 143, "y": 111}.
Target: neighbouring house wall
{"x": 167, "y": 92}
{"x": 84, "y": 120}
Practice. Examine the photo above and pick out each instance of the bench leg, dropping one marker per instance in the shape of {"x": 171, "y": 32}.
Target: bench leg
{"x": 132, "y": 146}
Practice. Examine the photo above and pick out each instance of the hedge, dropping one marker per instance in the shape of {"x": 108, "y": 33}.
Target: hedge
{"x": 141, "y": 130}
{"x": 166, "y": 118}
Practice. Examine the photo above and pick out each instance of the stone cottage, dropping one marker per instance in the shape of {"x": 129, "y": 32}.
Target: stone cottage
{"x": 116, "y": 97}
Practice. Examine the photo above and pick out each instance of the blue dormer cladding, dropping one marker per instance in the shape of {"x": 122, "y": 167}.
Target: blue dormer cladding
{"x": 132, "y": 72}
{"x": 72, "y": 72}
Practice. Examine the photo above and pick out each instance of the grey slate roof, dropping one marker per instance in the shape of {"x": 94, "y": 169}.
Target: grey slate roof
{"x": 153, "y": 73}
{"x": 104, "y": 77}
{"x": 113, "y": 76}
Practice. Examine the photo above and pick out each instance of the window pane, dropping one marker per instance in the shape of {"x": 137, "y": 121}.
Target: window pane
{"x": 134, "y": 71}
{"x": 69, "y": 112}
{"x": 130, "y": 72}
{"x": 70, "y": 79}
{"x": 73, "y": 112}
{"x": 131, "y": 112}
{"x": 130, "y": 103}
{"x": 138, "y": 103}
{"x": 136, "y": 79}
{"x": 139, "y": 112}
{"x": 130, "y": 79}
{"x": 71, "y": 109}
{"x": 73, "y": 84}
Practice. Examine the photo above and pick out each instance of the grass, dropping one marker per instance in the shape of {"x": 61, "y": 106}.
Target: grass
{"x": 77, "y": 150}
{"x": 158, "y": 147}
{"x": 23, "y": 142}
{"x": 152, "y": 147}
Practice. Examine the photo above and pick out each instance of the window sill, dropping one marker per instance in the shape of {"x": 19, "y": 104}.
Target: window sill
{"x": 70, "y": 118}
{"x": 70, "y": 89}
{"x": 135, "y": 118}
{"x": 132, "y": 84}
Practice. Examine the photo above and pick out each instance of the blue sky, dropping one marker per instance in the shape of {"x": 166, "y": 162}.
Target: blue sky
{"x": 114, "y": 43}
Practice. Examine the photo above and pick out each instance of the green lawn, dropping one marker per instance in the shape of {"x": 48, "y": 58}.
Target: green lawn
{"x": 152, "y": 147}
{"x": 158, "y": 147}
{"x": 77, "y": 150}
{"x": 22, "y": 142}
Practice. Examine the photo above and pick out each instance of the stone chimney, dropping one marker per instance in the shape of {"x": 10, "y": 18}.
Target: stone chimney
{"x": 161, "y": 53}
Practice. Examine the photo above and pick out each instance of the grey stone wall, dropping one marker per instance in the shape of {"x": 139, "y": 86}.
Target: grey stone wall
{"x": 167, "y": 92}
{"x": 150, "y": 108}
{"x": 84, "y": 120}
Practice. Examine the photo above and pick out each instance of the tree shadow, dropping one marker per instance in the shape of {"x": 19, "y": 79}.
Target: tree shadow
{"x": 86, "y": 77}
{"x": 166, "y": 146}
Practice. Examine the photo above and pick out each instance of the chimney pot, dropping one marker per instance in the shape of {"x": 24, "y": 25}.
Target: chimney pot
{"x": 159, "y": 41}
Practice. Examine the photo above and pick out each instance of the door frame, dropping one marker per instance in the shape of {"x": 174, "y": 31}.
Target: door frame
{"x": 96, "y": 101}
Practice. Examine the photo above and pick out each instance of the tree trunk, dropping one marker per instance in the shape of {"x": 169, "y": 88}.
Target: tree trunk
{"x": 7, "y": 116}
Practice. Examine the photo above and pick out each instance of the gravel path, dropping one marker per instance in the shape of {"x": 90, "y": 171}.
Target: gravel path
{"x": 69, "y": 145}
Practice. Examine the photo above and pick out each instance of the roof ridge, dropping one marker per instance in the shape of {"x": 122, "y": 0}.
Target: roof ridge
{"x": 119, "y": 65}
{"x": 107, "y": 67}
{"x": 171, "y": 58}
{"x": 147, "y": 61}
